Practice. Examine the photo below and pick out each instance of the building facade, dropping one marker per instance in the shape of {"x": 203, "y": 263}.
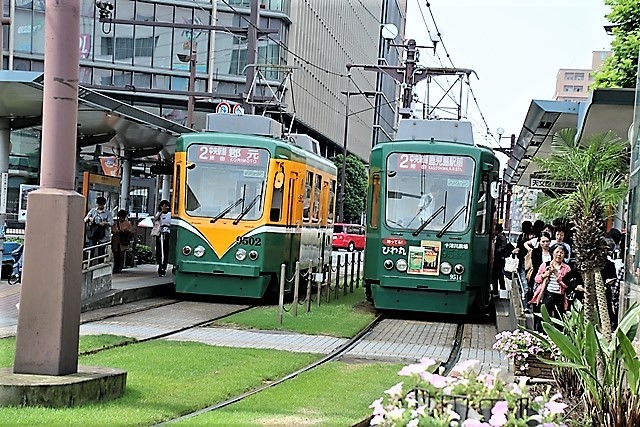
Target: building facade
{"x": 572, "y": 84}
{"x": 140, "y": 61}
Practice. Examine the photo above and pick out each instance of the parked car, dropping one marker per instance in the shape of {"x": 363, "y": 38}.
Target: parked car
{"x": 348, "y": 236}
{"x": 7, "y": 259}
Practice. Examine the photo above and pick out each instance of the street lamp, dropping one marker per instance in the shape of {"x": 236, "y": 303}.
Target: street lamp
{"x": 191, "y": 59}
{"x": 348, "y": 94}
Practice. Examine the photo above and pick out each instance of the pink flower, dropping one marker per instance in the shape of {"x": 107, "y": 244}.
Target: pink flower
{"x": 500, "y": 408}
{"x": 377, "y": 407}
{"x": 463, "y": 367}
{"x": 555, "y": 407}
{"x": 438, "y": 381}
{"x": 395, "y": 391}
{"x": 497, "y": 420}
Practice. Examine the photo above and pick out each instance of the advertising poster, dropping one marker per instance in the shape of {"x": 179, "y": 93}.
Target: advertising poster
{"x": 22, "y": 203}
{"x": 424, "y": 259}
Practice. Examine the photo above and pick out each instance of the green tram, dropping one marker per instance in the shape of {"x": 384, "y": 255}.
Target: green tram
{"x": 430, "y": 214}
{"x": 244, "y": 204}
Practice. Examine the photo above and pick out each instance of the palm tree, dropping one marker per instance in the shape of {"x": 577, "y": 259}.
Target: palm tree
{"x": 598, "y": 167}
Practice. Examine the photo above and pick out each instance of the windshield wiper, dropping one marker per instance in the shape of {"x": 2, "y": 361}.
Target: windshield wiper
{"x": 228, "y": 209}
{"x": 428, "y": 221}
{"x": 451, "y": 221}
{"x": 247, "y": 209}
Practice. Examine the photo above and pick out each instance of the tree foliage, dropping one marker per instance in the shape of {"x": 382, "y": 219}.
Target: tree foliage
{"x": 597, "y": 166}
{"x": 355, "y": 193}
{"x": 620, "y": 70}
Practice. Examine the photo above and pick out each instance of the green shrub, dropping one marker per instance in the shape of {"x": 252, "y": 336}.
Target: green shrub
{"x": 143, "y": 254}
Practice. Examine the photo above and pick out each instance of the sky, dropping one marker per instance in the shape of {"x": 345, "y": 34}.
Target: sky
{"x": 516, "y": 47}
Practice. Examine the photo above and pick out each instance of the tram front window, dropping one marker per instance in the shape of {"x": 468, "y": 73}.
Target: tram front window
{"x": 226, "y": 182}
{"x": 426, "y": 191}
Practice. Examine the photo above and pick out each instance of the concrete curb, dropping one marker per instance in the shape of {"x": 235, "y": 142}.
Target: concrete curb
{"x": 121, "y": 296}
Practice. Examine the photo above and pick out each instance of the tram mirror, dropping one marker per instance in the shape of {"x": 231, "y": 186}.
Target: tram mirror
{"x": 278, "y": 181}
{"x": 486, "y": 166}
{"x": 495, "y": 189}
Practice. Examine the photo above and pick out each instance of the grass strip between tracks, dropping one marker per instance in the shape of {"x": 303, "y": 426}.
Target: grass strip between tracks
{"x": 165, "y": 379}
{"x": 342, "y": 317}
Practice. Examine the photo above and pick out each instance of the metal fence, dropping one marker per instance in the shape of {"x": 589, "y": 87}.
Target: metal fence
{"x": 341, "y": 277}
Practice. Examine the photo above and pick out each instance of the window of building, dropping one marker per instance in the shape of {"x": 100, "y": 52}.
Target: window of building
{"x": 569, "y": 76}
{"x": 579, "y": 76}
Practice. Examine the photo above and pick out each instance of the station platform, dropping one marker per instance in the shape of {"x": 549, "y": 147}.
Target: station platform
{"x": 133, "y": 284}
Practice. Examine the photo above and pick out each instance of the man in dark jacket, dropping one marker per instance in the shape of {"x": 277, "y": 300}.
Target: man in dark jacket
{"x": 498, "y": 259}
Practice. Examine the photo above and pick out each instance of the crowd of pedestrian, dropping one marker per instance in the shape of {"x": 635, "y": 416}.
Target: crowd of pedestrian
{"x": 102, "y": 230}
{"x": 546, "y": 270}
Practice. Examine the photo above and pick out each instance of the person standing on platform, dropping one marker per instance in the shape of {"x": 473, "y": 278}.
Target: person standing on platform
{"x": 99, "y": 221}
{"x": 162, "y": 228}
{"x": 122, "y": 232}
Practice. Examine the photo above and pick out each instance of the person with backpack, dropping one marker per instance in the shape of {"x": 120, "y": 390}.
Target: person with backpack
{"x": 550, "y": 286}
{"x": 122, "y": 233}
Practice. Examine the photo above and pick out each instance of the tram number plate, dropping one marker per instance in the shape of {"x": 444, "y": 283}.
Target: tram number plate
{"x": 250, "y": 241}
{"x": 456, "y": 277}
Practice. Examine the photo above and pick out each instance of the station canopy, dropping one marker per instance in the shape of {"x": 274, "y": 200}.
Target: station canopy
{"x": 606, "y": 109}
{"x": 101, "y": 120}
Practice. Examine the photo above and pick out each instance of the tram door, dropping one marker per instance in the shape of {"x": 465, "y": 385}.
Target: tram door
{"x": 292, "y": 239}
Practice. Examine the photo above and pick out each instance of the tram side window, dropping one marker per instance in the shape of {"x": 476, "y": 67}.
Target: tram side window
{"x": 315, "y": 217}
{"x": 177, "y": 190}
{"x": 332, "y": 201}
{"x": 308, "y": 186}
{"x": 374, "y": 215}
{"x": 481, "y": 212}
{"x": 276, "y": 204}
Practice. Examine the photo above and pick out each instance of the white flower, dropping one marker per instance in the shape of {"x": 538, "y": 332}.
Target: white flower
{"x": 395, "y": 391}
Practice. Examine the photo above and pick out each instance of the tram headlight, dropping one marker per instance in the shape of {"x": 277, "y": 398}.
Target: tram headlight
{"x": 388, "y": 264}
{"x": 401, "y": 265}
{"x": 445, "y": 268}
{"x": 241, "y": 254}
{"x": 459, "y": 268}
{"x": 253, "y": 255}
{"x": 186, "y": 250}
{"x": 198, "y": 252}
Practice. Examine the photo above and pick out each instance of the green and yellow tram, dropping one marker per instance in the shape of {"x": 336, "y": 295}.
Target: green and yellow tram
{"x": 242, "y": 206}
{"x": 430, "y": 215}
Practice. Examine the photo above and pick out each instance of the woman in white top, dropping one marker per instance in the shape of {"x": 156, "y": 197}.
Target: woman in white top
{"x": 162, "y": 220}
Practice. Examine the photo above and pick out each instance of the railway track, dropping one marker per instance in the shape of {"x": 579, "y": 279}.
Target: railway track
{"x": 151, "y": 320}
{"x": 346, "y": 351}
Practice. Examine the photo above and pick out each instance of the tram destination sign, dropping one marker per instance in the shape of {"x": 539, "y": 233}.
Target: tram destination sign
{"x": 542, "y": 183}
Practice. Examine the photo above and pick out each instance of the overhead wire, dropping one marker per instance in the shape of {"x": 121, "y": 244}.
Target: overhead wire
{"x": 475, "y": 99}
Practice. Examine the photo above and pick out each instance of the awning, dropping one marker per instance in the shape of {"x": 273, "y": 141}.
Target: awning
{"x": 101, "y": 120}
{"x": 606, "y": 109}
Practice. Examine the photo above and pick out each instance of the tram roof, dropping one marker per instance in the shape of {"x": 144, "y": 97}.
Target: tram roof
{"x": 101, "y": 120}
{"x": 605, "y": 109}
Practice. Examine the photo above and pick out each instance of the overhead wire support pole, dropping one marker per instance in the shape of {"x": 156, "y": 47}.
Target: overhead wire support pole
{"x": 252, "y": 55}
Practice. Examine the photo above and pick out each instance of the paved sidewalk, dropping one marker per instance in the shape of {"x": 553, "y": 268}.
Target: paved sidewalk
{"x": 132, "y": 280}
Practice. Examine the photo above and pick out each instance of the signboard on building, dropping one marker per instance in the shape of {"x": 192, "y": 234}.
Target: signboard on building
{"x": 545, "y": 183}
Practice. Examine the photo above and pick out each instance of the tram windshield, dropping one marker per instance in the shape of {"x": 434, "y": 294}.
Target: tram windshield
{"x": 224, "y": 182}
{"x": 429, "y": 192}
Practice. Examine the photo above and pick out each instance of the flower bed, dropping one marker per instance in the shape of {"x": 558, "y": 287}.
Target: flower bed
{"x": 525, "y": 350}
{"x": 465, "y": 398}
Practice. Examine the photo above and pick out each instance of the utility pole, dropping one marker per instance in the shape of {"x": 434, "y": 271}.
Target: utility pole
{"x": 252, "y": 56}
{"x": 5, "y": 144}
{"x": 410, "y": 74}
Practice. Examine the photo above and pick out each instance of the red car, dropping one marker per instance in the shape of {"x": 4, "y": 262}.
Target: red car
{"x": 348, "y": 236}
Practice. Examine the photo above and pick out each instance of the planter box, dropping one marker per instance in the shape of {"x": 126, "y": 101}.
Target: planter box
{"x": 536, "y": 368}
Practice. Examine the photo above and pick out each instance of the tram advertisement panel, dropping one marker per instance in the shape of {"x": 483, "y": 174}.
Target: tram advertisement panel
{"x": 424, "y": 259}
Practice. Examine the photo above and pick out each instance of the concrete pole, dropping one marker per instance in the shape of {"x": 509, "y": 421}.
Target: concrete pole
{"x": 5, "y": 149}
{"x": 193, "y": 57}
{"x": 125, "y": 182}
{"x": 252, "y": 55}
{"x": 49, "y": 317}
